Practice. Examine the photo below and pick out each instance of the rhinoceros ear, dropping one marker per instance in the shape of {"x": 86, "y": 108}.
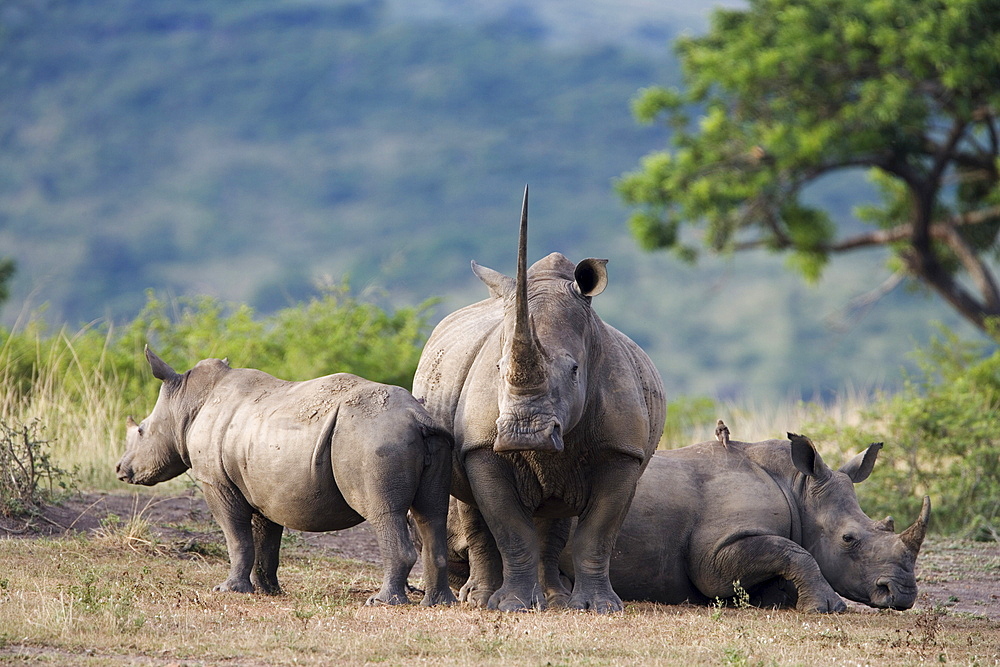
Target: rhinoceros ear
{"x": 161, "y": 370}
{"x": 805, "y": 458}
{"x": 861, "y": 465}
{"x": 499, "y": 284}
{"x": 591, "y": 276}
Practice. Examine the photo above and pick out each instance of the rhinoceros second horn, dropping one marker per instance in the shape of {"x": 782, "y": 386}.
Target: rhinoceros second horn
{"x": 913, "y": 537}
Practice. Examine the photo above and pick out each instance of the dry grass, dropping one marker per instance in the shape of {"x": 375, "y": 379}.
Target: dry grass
{"x": 97, "y": 601}
{"x": 84, "y": 433}
{"x": 81, "y": 405}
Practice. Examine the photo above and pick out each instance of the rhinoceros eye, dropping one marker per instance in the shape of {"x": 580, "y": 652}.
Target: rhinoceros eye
{"x": 142, "y": 430}
{"x": 848, "y": 538}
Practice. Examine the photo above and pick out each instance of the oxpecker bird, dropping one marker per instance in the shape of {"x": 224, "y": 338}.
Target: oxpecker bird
{"x": 722, "y": 433}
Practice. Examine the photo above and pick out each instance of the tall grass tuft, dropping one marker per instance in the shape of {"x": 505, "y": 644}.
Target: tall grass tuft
{"x": 66, "y": 383}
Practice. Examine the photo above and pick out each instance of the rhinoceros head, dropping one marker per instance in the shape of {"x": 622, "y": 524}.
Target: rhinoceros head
{"x": 155, "y": 449}
{"x": 542, "y": 379}
{"x": 864, "y": 560}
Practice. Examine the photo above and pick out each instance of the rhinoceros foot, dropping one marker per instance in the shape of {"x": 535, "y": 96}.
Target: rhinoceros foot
{"x": 506, "y": 599}
{"x": 387, "y": 598}
{"x": 606, "y": 602}
{"x": 445, "y": 597}
{"x": 820, "y": 602}
{"x": 234, "y": 586}
{"x": 266, "y": 586}
{"x": 557, "y": 599}
{"x": 475, "y": 594}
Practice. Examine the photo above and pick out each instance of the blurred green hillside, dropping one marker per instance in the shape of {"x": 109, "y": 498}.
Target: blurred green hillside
{"x": 253, "y": 150}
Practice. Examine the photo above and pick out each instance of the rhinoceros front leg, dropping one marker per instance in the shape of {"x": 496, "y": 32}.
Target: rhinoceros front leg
{"x": 757, "y": 558}
{"x": 513, "y": 529}
{"x": 267, "y": 544}
{"x": 234, "y": 515}
{"x": 596, "y": 533}
{"x": 485, "y": 564}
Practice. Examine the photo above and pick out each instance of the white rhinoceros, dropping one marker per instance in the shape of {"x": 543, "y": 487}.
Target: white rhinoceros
{"x": 770, "y": 517}
{"x": 318, "y": 455}
{"x": 554, "y": 414}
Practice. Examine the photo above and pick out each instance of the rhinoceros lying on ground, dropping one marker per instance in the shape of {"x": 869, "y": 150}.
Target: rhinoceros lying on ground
{"x": 319, "y": 455}
{"x": 770, "y": 515}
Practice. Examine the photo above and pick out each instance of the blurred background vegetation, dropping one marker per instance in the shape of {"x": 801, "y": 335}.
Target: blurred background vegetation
{"x": 209, "y": 177}
{"x": 251, "y": 150}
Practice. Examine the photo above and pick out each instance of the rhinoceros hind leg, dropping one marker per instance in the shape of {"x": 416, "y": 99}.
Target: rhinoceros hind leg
{"x": 553, "y": 535}
{"x": 434, "y": 556}
{"x": 429, "y": 514}
{"x": 267, "y": 543}
{"x": 485, "y": 570}
{"x": 398, "y": 556}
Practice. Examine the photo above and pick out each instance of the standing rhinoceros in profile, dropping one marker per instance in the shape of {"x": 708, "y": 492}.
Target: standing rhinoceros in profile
{"x": 554, "y": 415}
{"x": 770, "y": 515}
{"x": 319, "y": 455}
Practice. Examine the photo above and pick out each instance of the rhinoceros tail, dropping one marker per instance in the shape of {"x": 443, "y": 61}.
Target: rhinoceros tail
{"x": 435, "y": 437}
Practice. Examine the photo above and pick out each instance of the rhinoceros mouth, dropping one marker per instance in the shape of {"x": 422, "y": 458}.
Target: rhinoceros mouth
{"x": 892, "y": 593}
{"x": 518, "y": 435}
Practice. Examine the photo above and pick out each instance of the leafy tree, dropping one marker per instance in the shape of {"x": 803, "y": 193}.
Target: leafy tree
{"x": 787, "y": 92}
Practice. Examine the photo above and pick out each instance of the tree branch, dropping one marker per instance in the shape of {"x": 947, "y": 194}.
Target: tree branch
{"x": 974, "y": 266}
{"x": 945, "y": 285}
{"x": 938, "y": 231}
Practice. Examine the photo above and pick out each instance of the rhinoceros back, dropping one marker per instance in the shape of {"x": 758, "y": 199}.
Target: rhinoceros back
{"x": 279, "y": 441}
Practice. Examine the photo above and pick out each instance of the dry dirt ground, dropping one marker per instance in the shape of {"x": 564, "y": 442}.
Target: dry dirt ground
{"x": 962, "y": 577}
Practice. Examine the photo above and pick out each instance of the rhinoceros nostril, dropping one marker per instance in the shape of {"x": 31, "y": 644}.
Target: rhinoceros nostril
{"x": 884, "y": 593}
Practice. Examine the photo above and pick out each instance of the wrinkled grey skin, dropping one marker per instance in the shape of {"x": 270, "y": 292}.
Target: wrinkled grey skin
{"x": 554, "y": 415}
{"x": 319, "y": 455}
{"x": 770, "y": 515}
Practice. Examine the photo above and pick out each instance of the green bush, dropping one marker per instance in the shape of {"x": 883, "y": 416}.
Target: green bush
{"x": 84, "y": 384}
{"x": 331, "y": 333}
{"x": 941, "y": 439}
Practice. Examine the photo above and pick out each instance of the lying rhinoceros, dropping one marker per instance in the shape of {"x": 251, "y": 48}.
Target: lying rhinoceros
{"x": 769, "y": 515}
{"x": 319, "y": 455}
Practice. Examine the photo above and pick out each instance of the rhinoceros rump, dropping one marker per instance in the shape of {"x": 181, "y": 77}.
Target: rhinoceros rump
{"x": 554, "y": 415}
{"x": 770, "y": 515}
{"x": 319, "y": 455}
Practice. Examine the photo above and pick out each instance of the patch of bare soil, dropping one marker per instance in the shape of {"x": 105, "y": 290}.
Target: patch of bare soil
{"x": 962, "y": 577}
{"x": 177, "y": 519}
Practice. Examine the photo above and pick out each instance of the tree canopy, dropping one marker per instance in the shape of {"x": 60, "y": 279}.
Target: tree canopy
{"x": 781, "y": 94}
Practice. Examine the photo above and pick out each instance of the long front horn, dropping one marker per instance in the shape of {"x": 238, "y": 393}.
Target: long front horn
{"x": 525, "y": 368}
{"x": 913, "y": 536}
